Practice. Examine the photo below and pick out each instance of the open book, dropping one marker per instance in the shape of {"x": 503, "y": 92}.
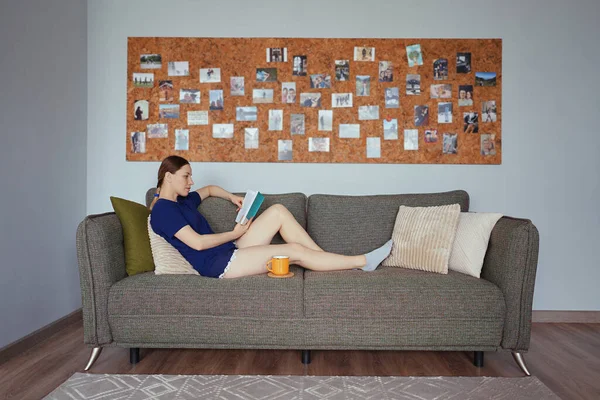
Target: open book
{"x": 250, "y": 206}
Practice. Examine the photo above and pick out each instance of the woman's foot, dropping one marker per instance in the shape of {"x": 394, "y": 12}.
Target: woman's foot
{"x": 375, "y": 257}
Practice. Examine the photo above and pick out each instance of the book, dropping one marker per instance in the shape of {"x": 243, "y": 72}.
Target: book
{"x": 250, "y": 206}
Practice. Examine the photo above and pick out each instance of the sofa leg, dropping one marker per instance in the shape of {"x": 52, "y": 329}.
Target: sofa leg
{"x": 478, "y": 359}
{"x": 93, "y": 357}
{"x": 134, "y": 355}
{"x": 305, "y": 356}
{"x": 521, "y": 362}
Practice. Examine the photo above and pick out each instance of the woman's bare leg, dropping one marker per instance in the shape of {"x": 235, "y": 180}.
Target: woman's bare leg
{"x": 275, "y": 219}
{"x": 253, "y": 260}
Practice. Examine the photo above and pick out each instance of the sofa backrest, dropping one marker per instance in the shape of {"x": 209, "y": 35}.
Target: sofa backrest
{"x": 221, "y": 213}
{"x": 353, "y": 225}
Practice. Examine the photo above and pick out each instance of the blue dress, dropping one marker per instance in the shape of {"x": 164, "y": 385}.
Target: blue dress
{"x": 168, "y": 217}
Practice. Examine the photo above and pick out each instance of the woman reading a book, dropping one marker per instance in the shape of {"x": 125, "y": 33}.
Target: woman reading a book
{"x": 246, "y": 249}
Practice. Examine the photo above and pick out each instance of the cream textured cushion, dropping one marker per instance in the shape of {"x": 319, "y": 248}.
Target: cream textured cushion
{"x": 471, "y": 242}
{"x": 167, "y": 259}
{"x": 423, "y": 237}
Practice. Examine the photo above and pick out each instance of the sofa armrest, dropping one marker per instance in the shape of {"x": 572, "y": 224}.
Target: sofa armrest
{"x": 511, "y": 264}
{"x": 101, "y": 259}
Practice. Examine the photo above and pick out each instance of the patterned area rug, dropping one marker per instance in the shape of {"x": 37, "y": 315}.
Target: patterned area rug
{"x": 268, "y": 387}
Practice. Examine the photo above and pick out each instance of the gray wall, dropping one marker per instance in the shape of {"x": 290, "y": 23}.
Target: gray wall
{"x": 42, "y": 161}
{"x": 550, "y": 132}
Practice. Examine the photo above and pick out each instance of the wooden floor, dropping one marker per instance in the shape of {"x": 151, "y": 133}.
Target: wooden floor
{"x": 566, "y": 357}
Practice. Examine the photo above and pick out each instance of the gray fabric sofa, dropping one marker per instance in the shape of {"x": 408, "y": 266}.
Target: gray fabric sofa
{"x": 390, "y": 308}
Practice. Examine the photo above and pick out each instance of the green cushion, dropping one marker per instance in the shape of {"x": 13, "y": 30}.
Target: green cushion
{"x": 134, "y": 219}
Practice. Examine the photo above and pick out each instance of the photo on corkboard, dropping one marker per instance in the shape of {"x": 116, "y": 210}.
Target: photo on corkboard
{"x": 197, "y": 118}
{"x": 392, "y": 97}
{"x": 441, "y": 91}
{"x": 210, "y": 75}
{"x": 465, "y": 95}
{"x": 222, "y": 131}
{"x": 168, "y": 111}
{"x": 366, "y": 113}
{"x": 340, "y": 100}
{"x": 318, "y": 144}
{"x": 284, "y": 150}
{"x": 165, "y": 90}
{"x": 300, "y": 66}
{"x": 463, "y": 63}
{"x": 277, "y": 54}
{"x": 444, "y": 113}
{"x": 143, "y": 80}
{"x": 150, "y": 61}
{"x": 138, "y": 142}
{"x": 414, "y": 55}
{"x": 390, "y": 129}
{"x": 275, "y": 120}
{"x": 320, "y": 81}
{"x": 364, "y": 53}
{"x": 450, "y": 143}
{"x": 342, "y": 70}
{"x": 485, "y": 78}
{"x": 157, "y": 131}
{"x": 251, "y": 138}
{"x": 349, "y": 131}
{"x": 178, "y": 68}
{"x": 182, "y": 139}
{"x": 440, "y": 69}
{"x": 470, "y": 122}
{"x": 413, "y": 84}
{"x": 262, "y": 95}
{"x": 411, "y": 139}
{"x": 266, "y": 74}
{"x": 488, "y": 111}
{"x": 216, "y": 99}
{"x": 363, "y": 85}
{"x": 373, "y": 147}
{"x": 386, "y": 71}
{"x": 189, "y": 96}
{"x": 297, "y": 126}
{"x": 237, "y": 86}
{"x": 325, "y": 120}
{"x": 288, "y": 92}
{"x": 246, "y": 113}
{"x": 488, "y": 147}
{"x": 421, "y": 115}
{"x": 431, "y": 136}
{"x": 310, "y": 100}
{"x": 141, "y": 110}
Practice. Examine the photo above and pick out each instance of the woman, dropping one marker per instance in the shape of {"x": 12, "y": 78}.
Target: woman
{"x": 245, "y": 250}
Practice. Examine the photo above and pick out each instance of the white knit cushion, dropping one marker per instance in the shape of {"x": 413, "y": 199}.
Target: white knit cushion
{"x": 422, "y": 238}
{"x": 167, "y": 259}
{"x": 471, "y": 242}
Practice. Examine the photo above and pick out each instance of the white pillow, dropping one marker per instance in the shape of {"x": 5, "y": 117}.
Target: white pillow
{"x": 471, "y": 242}
{"x": 423, "y": 237}
{"x": 167, "y": 259}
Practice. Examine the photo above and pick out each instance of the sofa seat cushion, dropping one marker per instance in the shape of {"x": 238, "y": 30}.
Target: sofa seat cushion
{"x": 157, "y": 296}
{"x": 402, "y": 294}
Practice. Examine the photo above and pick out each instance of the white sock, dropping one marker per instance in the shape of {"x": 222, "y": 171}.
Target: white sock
{"x": 375, "y": 257}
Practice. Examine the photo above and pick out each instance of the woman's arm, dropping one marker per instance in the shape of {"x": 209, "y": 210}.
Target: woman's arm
{"x": 216, "y": 191}
{"x": 203, "y": 242}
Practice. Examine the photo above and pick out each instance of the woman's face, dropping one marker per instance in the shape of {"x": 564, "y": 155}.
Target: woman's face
{"x": 181, "y": 181}
{"x": 469, "y": 95}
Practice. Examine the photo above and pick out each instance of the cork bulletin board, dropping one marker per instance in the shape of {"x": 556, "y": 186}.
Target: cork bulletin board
{"x": 406, "y": 101}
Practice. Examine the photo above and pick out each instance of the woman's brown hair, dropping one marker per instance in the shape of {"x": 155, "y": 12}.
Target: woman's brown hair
{"x": 170, "y": 164}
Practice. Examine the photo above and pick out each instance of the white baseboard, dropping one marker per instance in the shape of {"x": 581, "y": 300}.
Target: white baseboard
{"x": 584, "y": 317}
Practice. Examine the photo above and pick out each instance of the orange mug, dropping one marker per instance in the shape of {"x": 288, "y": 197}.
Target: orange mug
{"x": 279, "y": 265}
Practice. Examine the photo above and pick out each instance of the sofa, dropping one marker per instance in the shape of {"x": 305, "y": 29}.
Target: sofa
{"x": 387, "y": 309}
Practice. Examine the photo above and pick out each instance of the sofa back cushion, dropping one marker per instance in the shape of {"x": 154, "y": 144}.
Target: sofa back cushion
{"x": 221, "y": 213}
{"x": 353, "y": 225}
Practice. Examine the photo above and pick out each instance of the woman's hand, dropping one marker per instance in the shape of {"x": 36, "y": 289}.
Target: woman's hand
{"x": 240, "y": 230}
{"x": 237, "y": 200}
